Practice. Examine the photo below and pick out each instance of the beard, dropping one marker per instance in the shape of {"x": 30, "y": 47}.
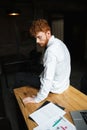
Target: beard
{"x": 44, "y": 44}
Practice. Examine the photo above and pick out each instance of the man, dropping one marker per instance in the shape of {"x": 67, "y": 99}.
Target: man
{"x": 55, "y": 77}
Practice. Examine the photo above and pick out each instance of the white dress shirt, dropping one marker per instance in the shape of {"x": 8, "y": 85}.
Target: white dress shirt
{"x": 57, "y": 67}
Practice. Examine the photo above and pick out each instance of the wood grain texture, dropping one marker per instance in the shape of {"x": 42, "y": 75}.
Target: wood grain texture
{"x": 72, "y": 99}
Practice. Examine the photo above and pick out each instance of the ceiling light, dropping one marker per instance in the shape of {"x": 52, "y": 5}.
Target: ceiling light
{"x": 13, "y": 12}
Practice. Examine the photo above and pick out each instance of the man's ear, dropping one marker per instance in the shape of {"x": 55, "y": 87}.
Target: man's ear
{"x": 48, "y": 32}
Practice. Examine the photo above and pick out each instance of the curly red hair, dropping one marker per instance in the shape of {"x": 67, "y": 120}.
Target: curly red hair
{"x": 40, "y": 25}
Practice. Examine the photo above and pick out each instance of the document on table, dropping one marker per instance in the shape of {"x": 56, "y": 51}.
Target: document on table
{"x": 46, "y": 112}
{"x": 56, "y": 123}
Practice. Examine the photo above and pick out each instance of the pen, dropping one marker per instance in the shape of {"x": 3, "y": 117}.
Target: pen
{"x": 57, "y": 122}
{"x": 21, "y": 101}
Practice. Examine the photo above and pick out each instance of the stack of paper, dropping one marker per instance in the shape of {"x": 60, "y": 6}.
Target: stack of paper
{"x": 56, "y": 123}
{"x": 50, "y": 117}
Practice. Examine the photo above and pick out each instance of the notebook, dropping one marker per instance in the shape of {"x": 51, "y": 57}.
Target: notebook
{"x": 43, "y": 114}
{"x": 56, "y": 123}
{"x": 80, "y": 119}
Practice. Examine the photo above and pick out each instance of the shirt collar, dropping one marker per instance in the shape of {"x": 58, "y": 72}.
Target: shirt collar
{"x": 50, "y": 41}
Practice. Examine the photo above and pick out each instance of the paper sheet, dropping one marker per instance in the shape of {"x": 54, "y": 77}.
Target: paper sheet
{"x": 45, "y": 113}
{"x": 56, "y": 124}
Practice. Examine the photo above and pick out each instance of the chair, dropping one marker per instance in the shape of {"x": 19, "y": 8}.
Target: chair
{"x": 83, "y": 84}
{"x": 4, "y": 121}
{"x": 5, "y": 124}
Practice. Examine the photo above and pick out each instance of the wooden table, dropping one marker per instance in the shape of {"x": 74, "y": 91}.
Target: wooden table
{"x": 71, "y": 99}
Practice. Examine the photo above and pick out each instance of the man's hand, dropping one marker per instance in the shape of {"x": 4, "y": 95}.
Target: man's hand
{"x": 29, "y": 100}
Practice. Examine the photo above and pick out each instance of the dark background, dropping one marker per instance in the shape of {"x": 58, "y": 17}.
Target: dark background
{"x": 14, "y": 31}
{"x": 16, "y": 47}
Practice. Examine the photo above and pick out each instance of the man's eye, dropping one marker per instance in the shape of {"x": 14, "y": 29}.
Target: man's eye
{"x": 40, "y": 37}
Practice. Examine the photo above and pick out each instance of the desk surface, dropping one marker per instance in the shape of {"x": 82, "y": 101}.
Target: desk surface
{"x": 71, "y": 99}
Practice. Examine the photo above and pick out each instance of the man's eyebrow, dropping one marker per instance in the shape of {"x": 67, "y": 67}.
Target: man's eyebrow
{"x": 38, "y": 36}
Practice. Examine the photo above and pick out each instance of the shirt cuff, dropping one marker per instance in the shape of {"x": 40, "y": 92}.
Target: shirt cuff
{"x": 37, "y": 100}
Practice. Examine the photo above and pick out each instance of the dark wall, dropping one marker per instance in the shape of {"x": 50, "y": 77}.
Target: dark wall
{"x": 14, "y": 31}
{"x": 75, "y": 34}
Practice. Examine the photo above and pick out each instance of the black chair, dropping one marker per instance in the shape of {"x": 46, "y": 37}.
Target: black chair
{"x": 83, "y": 87}
{"x": 5, "y": 124}
{"x": 4, "y": 121}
